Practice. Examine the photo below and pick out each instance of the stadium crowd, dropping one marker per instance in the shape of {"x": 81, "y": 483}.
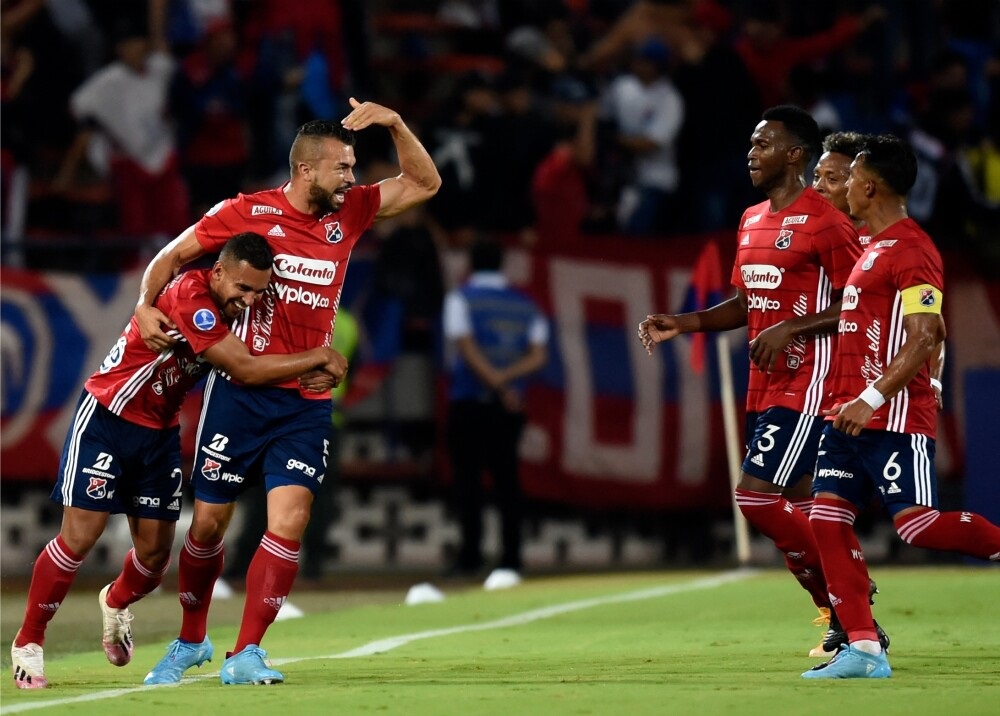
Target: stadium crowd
{"x": 549, "y": 120}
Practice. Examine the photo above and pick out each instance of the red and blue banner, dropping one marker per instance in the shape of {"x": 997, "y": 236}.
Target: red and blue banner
{"x": 610, "y": 428}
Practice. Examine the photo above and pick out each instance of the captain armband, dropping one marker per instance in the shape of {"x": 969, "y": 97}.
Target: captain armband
{"x": 921, "y": 299}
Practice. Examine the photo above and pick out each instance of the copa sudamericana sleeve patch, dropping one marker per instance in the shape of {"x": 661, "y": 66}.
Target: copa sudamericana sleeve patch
{"x": 921, "y": 299}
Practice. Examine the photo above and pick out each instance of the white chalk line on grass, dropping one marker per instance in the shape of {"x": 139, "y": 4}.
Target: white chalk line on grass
{"x": 380, "y": 646}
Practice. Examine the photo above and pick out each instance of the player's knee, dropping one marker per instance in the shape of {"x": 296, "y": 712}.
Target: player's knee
{"x": 912, "y": 523}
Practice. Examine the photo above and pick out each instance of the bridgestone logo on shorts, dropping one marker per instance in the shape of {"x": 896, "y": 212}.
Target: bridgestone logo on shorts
{"x": 293, "y": 294}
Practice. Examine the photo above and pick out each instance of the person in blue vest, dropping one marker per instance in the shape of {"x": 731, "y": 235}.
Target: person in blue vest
{"x": 497, "y": 336}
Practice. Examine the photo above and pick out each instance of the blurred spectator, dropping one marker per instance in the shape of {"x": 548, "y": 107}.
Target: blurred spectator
{"x": 520, "y": 135}
{"x": 770, "y": 54}
{"x": 497, "y": 337}
{"x": 457, "y": 143}
{"x": 126, "y": 133}
{"x": 808, "y": 88}
{"x": 946, "y": 198}
{"x": 712, "y": 146}
{"x": 647, "y": 112}
{"x": 209, "y": 99}
{"x": 663, "y": 20}
{"x": 560, "y": 182}
{"x": 295, "y": 53}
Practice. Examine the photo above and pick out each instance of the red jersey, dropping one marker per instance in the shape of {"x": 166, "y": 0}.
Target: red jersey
{"x": 145, "y": 387}
{"x": 298, "y": 309}
{"x": 789, "y": 263}
{"x": 899, "y": 273}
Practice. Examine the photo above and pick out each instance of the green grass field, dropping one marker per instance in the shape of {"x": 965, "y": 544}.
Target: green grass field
{"x": 649, "y": 643}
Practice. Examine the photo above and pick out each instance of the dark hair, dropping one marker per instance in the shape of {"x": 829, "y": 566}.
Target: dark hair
{"x": 486, "y": 254}
{"x": 249, "y": 247}
{"x": 327, "y": 129}
{"x": 799, "y": 123}
{"x": 846, "y": 143}
{"x": 893, "y": 160}
{"x": 314, "y": 130}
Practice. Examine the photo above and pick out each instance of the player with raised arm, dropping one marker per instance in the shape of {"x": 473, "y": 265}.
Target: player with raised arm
{"x": 279, "y": 434}
{"x": 793, "y": 256}
{"x": 123, "y": 455}
{"x": 881, "y": 430}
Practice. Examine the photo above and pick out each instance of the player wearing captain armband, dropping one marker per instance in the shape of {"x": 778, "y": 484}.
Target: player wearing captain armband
{"x": 881, "y": 431}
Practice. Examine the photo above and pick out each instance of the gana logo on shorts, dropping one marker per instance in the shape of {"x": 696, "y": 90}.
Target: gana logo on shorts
{"x": 204, "y": 320}
{"x": 314, "y": 271}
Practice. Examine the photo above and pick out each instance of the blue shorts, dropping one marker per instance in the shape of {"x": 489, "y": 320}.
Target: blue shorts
{"x": 246, "y": 433}
{"x": 783, "y": 446}
{"x": 111, "y": 465}
{"x": 899, "y": 465}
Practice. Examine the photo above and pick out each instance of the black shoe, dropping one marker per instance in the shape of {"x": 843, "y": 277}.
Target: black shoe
{"x": 835, "y": 638}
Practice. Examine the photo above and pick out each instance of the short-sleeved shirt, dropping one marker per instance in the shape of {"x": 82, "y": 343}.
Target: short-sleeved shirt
{"x": 502, "y": 321}
{"x": 900, "y": 273}
{"x": 145, "y": 387}
{"x": 299, "y": 307}
{"x": 789, "y": 263}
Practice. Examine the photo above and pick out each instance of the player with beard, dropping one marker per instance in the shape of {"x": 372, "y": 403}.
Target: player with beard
{"x": 793, "y": 257}
{"x": 276, "y": 434}
{"x": 123, "y": 452}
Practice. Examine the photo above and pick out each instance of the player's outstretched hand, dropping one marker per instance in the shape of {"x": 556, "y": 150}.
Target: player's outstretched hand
{"x": 151, "y": 322}
{"x": 366, "y": 114}
{"x": 656, "y": 329}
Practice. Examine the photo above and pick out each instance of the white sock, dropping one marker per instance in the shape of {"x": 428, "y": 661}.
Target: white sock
{"x": 868, "y": 646}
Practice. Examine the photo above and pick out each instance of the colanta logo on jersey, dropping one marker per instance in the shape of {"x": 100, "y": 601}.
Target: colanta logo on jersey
{"x": 760, "y": 276}
{"x": 314, "y": 271}
{"x": 850, "y": 299}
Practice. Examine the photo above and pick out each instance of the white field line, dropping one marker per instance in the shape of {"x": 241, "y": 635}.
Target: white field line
{"x": 380, "y": 646}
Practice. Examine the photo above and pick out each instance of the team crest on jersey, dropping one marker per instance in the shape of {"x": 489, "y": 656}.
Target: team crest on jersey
{"x": 784, "y": 239}
{"x": 211, "y": 469}
{"x": 869, "y": 261}
{"x": 204, "y": 320}
{"x": 927, "y": 297}
{"x": 333, "y": 233}
{"x": 98, "y": 488}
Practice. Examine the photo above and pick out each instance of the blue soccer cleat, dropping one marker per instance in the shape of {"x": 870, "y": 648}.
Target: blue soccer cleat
{"x": 249, "y": 667}
{"x": 851, "y": 663}
{"x": 181, "y": 656}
